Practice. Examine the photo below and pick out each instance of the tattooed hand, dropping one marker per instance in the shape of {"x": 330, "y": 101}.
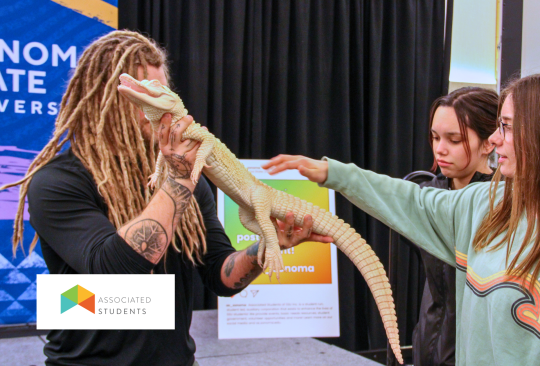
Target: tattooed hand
{"x": 179, "y": 166}
{"x": 180, "y": 155}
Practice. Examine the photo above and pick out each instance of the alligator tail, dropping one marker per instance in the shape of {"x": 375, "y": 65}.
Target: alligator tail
{"x": 356, "y": 249}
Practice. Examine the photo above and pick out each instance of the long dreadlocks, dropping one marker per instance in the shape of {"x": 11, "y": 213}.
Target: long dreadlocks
{"x": 104, "y": 133}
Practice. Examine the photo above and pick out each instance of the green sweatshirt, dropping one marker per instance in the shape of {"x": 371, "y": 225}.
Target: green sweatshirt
{"x": 497, "y": 321}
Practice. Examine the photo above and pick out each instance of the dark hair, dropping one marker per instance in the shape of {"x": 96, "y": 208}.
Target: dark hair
{"x": 475, "y": 108}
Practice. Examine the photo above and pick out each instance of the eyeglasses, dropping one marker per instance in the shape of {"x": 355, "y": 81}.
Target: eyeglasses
{"x": 504, "y": 127}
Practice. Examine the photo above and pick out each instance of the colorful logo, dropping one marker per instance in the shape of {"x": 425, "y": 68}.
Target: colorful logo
{"x": 78, "y": 295}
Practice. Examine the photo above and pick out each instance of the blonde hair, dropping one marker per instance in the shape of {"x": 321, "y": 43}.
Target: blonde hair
{"x": 104, "y": 133}
{"x": 522, "y": 192}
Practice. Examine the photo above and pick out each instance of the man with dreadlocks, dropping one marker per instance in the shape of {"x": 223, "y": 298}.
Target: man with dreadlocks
{"x": 94, "y": 213}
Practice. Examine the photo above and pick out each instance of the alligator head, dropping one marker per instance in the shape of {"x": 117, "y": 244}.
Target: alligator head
{"x": 153, "y": 98}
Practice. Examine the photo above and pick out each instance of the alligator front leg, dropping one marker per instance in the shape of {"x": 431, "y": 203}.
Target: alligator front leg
{"x": 154, "y": 177}
{"x": 247, "y": 218}
{"x": 261, "y": 200}
{"x": 208, "y": 142}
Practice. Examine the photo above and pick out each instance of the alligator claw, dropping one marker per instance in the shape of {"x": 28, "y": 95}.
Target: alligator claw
{"x": 274, "y": 262}
{"x": 152, "y": 180}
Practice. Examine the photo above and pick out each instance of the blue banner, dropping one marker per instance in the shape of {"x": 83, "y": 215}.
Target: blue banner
{"x": 40, "y": 42}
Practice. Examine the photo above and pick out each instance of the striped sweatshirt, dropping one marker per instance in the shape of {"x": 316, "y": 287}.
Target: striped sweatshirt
{"x": 497, "y": 320}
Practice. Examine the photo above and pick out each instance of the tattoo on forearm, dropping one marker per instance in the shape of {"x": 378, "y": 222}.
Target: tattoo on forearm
{"x": 148, "y": 238}
{"x": 180, "y": 196}
{"x": 250, "y": 252}
{"x": 250, "y": 276}
{"x": 230, "y": 264}
{"x": 179, "y": 167}
{"x": 253, "y": 250}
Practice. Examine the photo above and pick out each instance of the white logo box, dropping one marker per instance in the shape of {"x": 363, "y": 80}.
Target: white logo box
{"x": 121, "y": 302}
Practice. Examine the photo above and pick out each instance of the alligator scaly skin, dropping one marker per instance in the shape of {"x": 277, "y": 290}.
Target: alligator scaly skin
{"x": 258, "y": 201}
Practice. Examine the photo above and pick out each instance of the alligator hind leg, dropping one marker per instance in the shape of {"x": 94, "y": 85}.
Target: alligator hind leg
{"x": 261, "y": 201}
{"x": 247, "y": 218}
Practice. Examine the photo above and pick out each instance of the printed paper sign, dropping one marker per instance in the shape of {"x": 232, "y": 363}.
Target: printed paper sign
{"x": 105, "y": 301}
{"x": 304, "y": 303}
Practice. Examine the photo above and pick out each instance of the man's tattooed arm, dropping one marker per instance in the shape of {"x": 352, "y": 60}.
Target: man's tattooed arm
{"x": 148, "y": 238}
{"x": 180, "y": 196}
{"x": 240, "y": 268}
{"x": 151, "y": 232}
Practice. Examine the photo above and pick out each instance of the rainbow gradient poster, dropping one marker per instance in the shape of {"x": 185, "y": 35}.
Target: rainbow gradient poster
{"x": 304, "y": 303}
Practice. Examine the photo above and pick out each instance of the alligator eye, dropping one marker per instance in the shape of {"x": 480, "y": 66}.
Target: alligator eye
{"x": 155, "y": 83}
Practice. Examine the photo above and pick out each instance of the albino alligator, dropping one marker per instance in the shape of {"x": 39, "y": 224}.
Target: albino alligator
{"x": 258, "y": 201}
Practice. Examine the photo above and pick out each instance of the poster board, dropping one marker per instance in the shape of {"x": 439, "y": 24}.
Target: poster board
{"x": 305, "y": 302}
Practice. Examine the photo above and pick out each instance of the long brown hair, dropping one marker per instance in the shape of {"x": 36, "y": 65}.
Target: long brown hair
{"x": 104, "y": 133}
{"x": 522, "y": 192}
{"x": 475, "y": 108}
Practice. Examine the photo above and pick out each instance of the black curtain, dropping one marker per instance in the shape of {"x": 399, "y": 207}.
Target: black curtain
{"x": 352, "y": 80}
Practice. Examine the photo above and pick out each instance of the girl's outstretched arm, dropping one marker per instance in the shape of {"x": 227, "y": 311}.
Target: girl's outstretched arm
{"x": 315, "y": 170}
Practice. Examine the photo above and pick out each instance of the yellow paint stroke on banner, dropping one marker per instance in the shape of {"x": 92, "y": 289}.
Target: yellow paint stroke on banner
{"x": 101, "y": 10}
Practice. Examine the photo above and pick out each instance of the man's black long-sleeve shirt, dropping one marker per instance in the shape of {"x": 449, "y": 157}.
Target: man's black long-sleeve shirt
{"x": 70, "y": 217}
